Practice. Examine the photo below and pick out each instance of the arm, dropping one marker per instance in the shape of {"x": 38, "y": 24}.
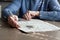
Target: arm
{"x": 13, "y": 7}
{"x": 51, "y": 15}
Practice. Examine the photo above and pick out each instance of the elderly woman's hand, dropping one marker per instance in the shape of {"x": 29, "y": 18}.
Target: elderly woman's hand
{"x": 12, "y": 20}
{"x": 30, "y": 14}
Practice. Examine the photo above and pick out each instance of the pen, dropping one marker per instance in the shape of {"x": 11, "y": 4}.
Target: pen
{"x": 10, "y": 13}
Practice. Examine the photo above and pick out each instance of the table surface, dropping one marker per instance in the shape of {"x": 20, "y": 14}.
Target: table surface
{"x": 8, "y": 33}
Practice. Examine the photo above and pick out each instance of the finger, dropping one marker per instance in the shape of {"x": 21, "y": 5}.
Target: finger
{"x": 11, "y": 22}
{"x": 16, "y": 24}
{"x": 32, "y": 14}
{"x": 29, "y": 16}
{"x": 16, "y": 18}
{"x": 26, "y": 17}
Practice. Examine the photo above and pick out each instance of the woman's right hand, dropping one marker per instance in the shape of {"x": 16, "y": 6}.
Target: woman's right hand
{"x": 12, "y": 20}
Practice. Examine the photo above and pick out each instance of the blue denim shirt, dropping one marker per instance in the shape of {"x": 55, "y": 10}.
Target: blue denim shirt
{"x": 49, "y": 9}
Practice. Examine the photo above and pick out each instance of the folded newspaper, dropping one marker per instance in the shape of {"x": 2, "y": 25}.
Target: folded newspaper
{"x": 35, "y": 25}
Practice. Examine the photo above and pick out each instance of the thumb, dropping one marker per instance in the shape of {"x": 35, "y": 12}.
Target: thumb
{"x": 15, "y": 18}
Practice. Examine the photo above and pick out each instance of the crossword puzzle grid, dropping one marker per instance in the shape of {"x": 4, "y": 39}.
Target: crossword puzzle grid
{"x": 35, "y": 25}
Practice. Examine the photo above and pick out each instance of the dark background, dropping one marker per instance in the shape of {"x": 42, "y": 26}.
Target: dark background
{"x": 59, "y": 1}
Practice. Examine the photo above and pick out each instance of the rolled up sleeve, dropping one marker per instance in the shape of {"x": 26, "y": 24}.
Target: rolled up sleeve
{"x": 12, "y": 7}
{"x": 54, "y": 14}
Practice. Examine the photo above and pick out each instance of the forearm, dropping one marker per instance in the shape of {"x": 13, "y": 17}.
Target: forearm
{"x": 52, "y": 15}
{"x": 13, "y": 7}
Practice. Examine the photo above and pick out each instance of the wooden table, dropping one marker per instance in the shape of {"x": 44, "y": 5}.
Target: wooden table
{"x": 8, "y": 33}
